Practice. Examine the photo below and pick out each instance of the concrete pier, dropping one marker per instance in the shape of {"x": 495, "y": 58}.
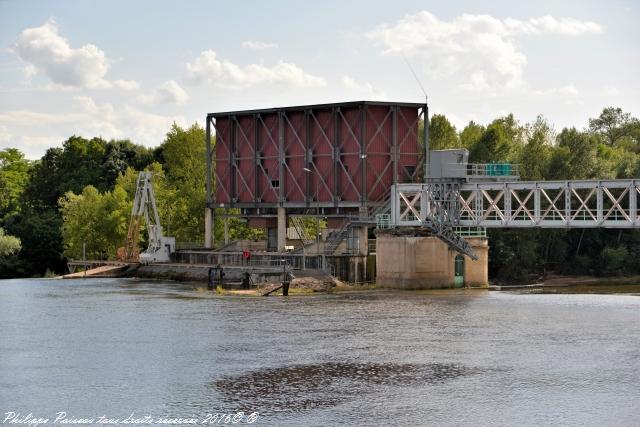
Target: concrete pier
{"x": 406, "y": 262}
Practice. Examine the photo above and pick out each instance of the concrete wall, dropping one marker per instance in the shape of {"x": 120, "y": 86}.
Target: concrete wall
{"x": 426, "y": 263}
{"x": 476, "y": 273}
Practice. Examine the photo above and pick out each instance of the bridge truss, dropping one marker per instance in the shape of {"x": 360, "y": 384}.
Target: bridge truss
{"x": 441, "y": 206}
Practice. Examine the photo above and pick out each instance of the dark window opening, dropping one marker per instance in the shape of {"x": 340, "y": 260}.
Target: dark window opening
{"x": 410, "y": 171}
{"x": 275, "y": 183}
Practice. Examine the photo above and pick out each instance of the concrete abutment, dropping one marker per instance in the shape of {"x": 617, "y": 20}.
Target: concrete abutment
{"x": 408, "y": 262}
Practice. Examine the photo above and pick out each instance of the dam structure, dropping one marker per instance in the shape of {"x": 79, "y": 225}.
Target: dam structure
{"x": 393, "y": 211}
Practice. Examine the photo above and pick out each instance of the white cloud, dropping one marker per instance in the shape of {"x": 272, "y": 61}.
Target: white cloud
{"x": 611, "y": 91}
{"x": 4, "y": 134}
{"x": 223, "y": 73}
{"x": 169, "y": 92}
{"x": 126, "y": 84}
{"x": 45, "y": 51}
{"x": 255, "y": 45}
{"x": 549, "y": 25}
{"x": 479, "y": 50}
{"x": 33, "y": 132}
{"x": 569, "y": 90}
{"x": 365, "y": 88}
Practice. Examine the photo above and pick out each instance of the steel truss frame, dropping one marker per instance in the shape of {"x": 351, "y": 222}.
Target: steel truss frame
{"x": 360, "y": 128}
{"x": 551, "y": 204}
{"x": 543, "y": 204}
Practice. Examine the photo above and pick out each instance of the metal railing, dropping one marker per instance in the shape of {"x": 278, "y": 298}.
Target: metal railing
{"x": 492, "y": 170}
{"x": 257, "y": 260}
{"x": 470, "y": 231}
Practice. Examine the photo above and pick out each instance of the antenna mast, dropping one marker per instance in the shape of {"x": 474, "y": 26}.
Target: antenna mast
{"x": 426, "y": 120}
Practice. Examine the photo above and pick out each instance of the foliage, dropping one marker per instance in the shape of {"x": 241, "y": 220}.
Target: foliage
{"x": 182, "y": 155}
{"x": 39, "y": 233}
{"x": 14, "y": 175}
{"x": 96, "y": 221}
{"x": 493, "y": 146}
{"x": 442, "y": 134}
{"x": 471, "y": 134}
{"x": 535, "y": 156}
{"x": 613, "y": 125}
{"x": 8, "y": 244}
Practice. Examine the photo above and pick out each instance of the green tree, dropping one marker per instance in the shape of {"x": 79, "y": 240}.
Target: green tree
{"x": 81, "y": 215}
{"x": 613, "y": 124}
{"x": 536, "y": 154}
{"x": 183, "y": 160}
{"x": 493, "y": 146}
{"x": 471, "y": 134}
{"x": 575, "y": 157}
{"x": 120, "y": 154}
{"x": 14, "y": 175}
{"x": 8, "y": 244}
{"x": 442, "y": 134}
{"x": 39, "y": 233}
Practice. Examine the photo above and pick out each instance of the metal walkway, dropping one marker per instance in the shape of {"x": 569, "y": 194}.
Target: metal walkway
{"x": 544, "y": 204}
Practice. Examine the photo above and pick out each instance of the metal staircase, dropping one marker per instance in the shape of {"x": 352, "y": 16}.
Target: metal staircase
{"x": 336, "y": 237}
{"x": 307, "y": 240}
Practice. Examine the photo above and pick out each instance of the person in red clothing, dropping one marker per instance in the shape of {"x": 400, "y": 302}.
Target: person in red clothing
{"x": 247, "y": 256}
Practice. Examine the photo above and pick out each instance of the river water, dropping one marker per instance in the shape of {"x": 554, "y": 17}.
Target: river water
{"x": 113, "y": 347}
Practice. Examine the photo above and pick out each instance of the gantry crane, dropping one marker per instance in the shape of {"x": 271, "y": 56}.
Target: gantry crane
{"x": 144, "y": 205}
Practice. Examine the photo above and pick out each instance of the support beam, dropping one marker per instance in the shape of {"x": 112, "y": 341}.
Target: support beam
{"x": 427, "y": 154}
{"x": 363, "y": 240}
{"x": 226, "y": 228}
{"x": 208, "y": 228}
{"x": 282, "y": 229}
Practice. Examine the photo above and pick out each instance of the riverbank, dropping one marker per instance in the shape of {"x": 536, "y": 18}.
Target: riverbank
{"x": 311, "y": 281}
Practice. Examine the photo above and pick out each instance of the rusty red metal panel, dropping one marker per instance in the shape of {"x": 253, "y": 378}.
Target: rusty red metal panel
{"x": 379, "y": 147}
{"x": 222, "y": 158}
{"x": 408, "y": 147}
{"x": 294, "y": 155}
{"x": 335, "y": 223}
{"x": 327, "y": 139}
{"x": 321, "y": 146}
{"x": 245, "y": 160}
{"x": 263, "y": 222}
{"x": 349, "y": 171}
{"x": 268, "y": 154}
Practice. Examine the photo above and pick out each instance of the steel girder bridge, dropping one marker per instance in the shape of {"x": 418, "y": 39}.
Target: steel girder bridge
{"x": 442, "y": 206}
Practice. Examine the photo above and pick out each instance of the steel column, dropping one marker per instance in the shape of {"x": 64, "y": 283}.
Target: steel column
{"x": 363, "y": 160}
{"x": 426, "y": 142}
{"x": 394, "y": 143}
{"x": 281, "y": 158}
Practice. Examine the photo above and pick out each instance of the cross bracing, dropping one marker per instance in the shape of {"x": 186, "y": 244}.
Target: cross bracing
{"x": 544, "y": 204}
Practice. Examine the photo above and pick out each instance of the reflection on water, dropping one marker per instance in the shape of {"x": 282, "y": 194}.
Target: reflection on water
{"x": 303, "y": 387}
{"x": 450, "y": 357}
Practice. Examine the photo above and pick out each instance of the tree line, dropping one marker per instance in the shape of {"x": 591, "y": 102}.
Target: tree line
{"x": 609, "y": 148}
{"x": 81, "y": 194}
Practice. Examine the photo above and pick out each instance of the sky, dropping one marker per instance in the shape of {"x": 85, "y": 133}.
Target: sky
{"x": 128, "y": 69}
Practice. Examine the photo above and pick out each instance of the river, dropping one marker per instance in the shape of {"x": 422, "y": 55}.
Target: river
{"x": 113, "y": 347}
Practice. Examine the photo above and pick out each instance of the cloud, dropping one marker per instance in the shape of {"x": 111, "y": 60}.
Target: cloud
{"x": 169, "y": 92}
{"x": 611, "y": 91}
{"x": 568, "y": 90}
{"x": 126, "y": 84}
{"x": 255, "y": 45}
{"x": 549, "y": 25}
{"x": 363, "y": 88}
{"x": 479, "y": 49}
{"x": 44, "y": 51}
{"x": 33, "y": 132}
{"x": 207, "y": 68}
